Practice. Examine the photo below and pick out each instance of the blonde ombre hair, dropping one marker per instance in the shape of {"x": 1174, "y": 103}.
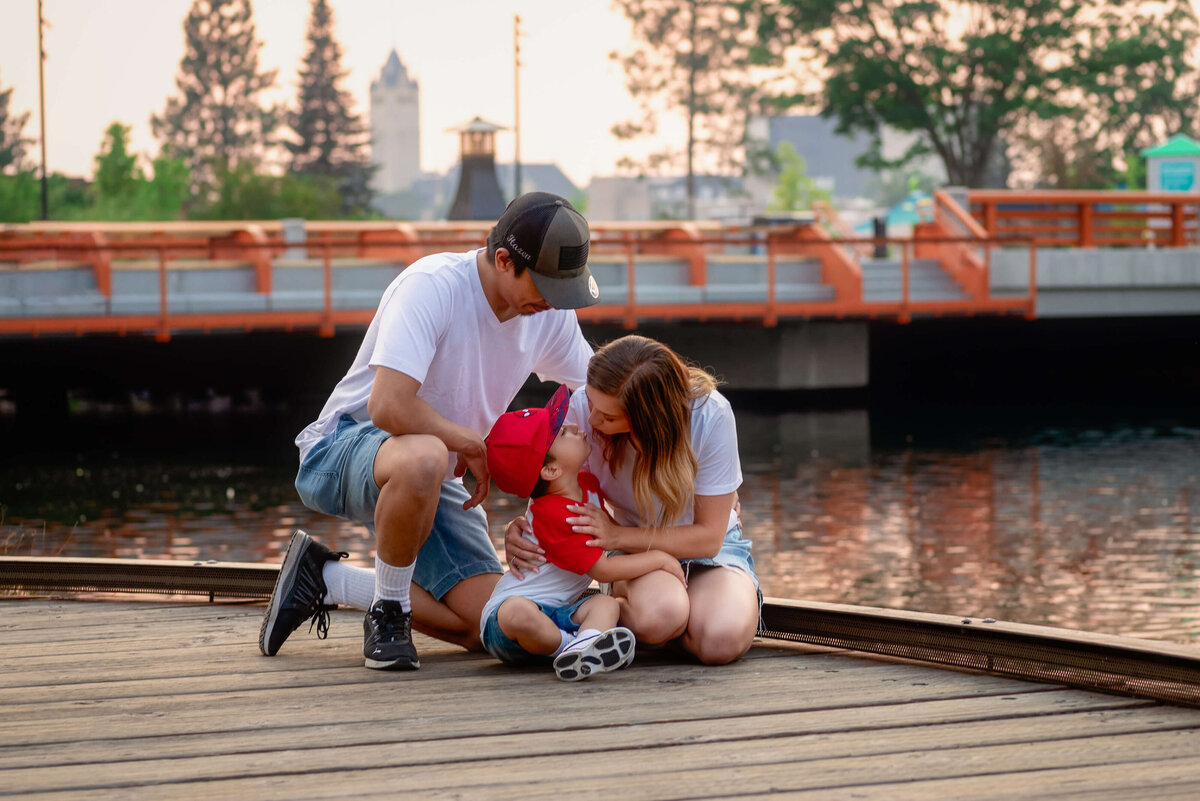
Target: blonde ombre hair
{"x": 656, "y": 388}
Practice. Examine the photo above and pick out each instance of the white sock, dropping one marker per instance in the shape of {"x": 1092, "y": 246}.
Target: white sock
{"x": 348, "y": 585}
{"x": 582, "y": 639}
{"x": 565, "y": 641}
{"x": 392, "y": 583}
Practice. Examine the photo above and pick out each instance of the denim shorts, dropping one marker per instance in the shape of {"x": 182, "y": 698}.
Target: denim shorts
{"x": 337, "y": 477}
{"x": 508, "y": 651}
{"x": 735, "y": 553}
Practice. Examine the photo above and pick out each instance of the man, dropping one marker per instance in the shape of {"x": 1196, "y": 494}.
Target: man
{"x": 454, "y": 339}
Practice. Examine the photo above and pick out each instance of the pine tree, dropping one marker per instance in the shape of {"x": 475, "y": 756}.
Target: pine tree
{"x": 215, "y": 122}
{"x": 117, "y": 172}
{"x": 12, "y": 143}
{"x": 329, "y": 135}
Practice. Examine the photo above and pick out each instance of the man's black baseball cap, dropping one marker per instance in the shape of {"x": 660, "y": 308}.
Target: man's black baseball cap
{"x": 545, "y": 234}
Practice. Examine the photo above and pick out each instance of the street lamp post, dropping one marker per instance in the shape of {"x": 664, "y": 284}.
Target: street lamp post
{"x": 42, "y": 109}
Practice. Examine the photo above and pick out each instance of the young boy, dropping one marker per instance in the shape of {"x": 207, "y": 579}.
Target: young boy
{"x": 531, "y": 454}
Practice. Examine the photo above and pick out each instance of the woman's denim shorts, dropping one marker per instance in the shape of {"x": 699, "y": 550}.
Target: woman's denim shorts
{"x": 507, "y": 650}
{"x": 735, "y": 553}
{"x": 337, "y": 477}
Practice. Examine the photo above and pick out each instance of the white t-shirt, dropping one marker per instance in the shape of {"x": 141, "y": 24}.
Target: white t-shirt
{"x": 435, "y": 324}
{"x": 714, "y": 441}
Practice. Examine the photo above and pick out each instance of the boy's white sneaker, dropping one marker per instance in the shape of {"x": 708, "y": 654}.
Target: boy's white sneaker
{"x": 600, "y": 653}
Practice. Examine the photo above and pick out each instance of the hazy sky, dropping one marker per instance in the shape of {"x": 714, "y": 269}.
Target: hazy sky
{"x": 116, "y": 60}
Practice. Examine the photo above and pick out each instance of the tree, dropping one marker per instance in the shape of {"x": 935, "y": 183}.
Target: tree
{"x": 12, "y": 139}
{"x": 216, "y": 121}
{"x": 329, "y": 136}
{"x": 688, "y": 57}
{"x": 968, "y": 75}
{"x": 795, "y": 190}
{"x": 1135, "y": 87}
{"x": 117, "y": 173}
{"x": 245, "y": 194}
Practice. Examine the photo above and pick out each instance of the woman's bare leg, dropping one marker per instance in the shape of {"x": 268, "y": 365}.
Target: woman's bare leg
{"x": 654, "y": 607}
{"x": 724, "y": 614}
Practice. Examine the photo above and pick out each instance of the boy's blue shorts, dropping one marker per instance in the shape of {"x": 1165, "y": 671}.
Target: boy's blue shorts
{"x": 508, "y": 651}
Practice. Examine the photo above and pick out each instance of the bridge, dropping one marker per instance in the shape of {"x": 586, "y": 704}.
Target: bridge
{"x": 808, "y": 286}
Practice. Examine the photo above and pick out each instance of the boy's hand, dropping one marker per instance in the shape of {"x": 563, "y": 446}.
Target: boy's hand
{"x": 593, "y": 521}
{"x": 671, "y": 565}
{"x": 523, "y": 553}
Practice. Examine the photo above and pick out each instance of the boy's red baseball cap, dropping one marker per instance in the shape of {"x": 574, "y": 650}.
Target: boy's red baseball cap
{"x": 518, "y": 442}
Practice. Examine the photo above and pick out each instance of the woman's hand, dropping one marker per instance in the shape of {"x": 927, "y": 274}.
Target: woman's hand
{"x": 523, "y": 552}
{"x": 593, "y": 521}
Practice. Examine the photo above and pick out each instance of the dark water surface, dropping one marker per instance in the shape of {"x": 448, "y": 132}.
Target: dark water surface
{"x": 1084, "y": 518}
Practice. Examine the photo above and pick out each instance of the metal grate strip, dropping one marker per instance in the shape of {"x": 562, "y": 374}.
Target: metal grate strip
{"x": 1165, "y": 671}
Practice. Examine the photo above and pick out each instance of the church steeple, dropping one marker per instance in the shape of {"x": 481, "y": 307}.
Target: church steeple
{"x": 395, "y": 127}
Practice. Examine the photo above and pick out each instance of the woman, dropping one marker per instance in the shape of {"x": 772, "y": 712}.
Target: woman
{"x": 666, "y": 457}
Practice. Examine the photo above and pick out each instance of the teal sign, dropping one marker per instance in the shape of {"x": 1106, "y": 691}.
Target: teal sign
{"x": 1177, "y": 176}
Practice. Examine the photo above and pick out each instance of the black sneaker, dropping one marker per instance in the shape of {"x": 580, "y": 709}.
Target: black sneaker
{"x": 299, "y": 593}
{"x": 387, "y": 638}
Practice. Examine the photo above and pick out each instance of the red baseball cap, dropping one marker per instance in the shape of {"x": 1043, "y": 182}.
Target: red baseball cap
{"x": 518, "y": 442}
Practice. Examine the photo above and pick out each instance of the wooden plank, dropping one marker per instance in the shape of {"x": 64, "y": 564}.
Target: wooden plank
{"x": 609, "y": 745}
{"x": 1162, "y": 780}
{"x": 457, "y": 704}
{"x": 687, "y": 771}
{"x": 214, "y": 673}
{"x": 731, "y": 724}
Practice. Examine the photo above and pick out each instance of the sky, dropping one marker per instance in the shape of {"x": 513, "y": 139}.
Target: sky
{"x": 116, "y": 60}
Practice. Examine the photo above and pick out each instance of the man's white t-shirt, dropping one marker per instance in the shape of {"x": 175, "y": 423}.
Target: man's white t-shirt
{"x": 435, "y": 325}
{"x": 714, "y": 441}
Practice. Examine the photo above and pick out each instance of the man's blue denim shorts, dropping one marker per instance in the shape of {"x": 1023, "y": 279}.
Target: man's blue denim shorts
{"x": 337, "y": 477}
{"x": 508, "y": 651}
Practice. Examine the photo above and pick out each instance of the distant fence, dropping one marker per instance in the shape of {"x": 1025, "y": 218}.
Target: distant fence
{"x": 1104, "y": 219}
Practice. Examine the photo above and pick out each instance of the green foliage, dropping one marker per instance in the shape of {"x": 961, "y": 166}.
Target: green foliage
{"x": 245, "y": 194}
{"x": 215, "y": 121}
{"x": 117, "y": 173}
{"x": 20, "y": 197}
{"x": 329, "y": 137}
{"x": 974, "y": 77}
{"x": 893, "y": 186}
{"x": 12, "y": 139}
{"x": 795, "y": 191}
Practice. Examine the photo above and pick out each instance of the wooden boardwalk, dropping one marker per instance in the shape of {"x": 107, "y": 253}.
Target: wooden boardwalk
{"x": 141, "y": 700}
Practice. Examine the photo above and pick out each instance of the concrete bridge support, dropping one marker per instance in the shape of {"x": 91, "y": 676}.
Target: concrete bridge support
{"x": 793, "y": 355}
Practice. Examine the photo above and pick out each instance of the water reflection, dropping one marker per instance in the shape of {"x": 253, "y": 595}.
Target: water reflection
{"x": 1087, "y": 528}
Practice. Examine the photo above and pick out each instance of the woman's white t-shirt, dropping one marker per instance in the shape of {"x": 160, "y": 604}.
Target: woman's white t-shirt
{"x": 434, "y": 324}
{"x": 714, "y": 441}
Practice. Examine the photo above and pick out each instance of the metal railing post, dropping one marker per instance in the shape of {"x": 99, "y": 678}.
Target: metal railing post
{"x": 905, "y": 312}
{"x": 326, "y": 329}
{"x": 630, "y": 309}
{"x": 1031, "y": 312}
{"x": 771, "y": 318}
{"x": 164, "y": 330}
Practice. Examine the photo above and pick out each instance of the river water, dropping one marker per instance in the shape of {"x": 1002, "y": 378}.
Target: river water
{"x": 1085, "y": 518}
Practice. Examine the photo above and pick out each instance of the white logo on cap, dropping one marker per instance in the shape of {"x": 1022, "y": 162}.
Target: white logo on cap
{"x": 592, "y": 288}
{"x": 512, "y": 242}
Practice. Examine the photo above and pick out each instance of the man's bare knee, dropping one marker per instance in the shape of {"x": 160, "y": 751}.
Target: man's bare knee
{"x": 419, "y": 462}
